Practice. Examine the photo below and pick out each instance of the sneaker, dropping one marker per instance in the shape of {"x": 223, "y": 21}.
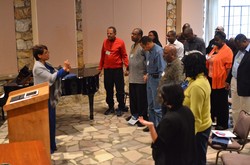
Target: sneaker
{"x": 119, "y": 112}
{"x": 109, "y": 111}
{"x": 146, "y": 129}
{"x": 133, "y": 120}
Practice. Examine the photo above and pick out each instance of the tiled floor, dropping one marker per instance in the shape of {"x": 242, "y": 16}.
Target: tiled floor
{"x": 107, "y": 140}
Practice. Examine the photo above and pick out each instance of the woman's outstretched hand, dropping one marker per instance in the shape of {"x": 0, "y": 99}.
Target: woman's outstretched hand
{"x": 151, "y": 127}
{"x": 145, "y": 122}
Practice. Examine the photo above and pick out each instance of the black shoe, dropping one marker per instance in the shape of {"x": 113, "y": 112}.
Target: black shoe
{"x": 109, "y": 111}
{"x": 128, "y": 118}
{"x": 146, "y": 129}
{"x": 119, "y": 112}
{"x": 139, "y": 124}
{"x": 125, "y": 109}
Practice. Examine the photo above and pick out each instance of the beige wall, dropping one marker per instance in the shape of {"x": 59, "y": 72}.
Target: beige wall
{"x": 124, "y": 15}
{"x": 8, "y": 57}
{"x": 193, "y": 13}
{"x": 56, "y": 28}
{"x": 54, "y": 24}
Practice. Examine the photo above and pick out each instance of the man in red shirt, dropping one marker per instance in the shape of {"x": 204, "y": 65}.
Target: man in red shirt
{"x": 113, "y": 57}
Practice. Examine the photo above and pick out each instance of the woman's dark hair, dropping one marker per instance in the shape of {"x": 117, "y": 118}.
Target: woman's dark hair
{"x": 194, "y": 64}
{"x": 172, "y": 94}
{"x": 156, "y": 39}
{"x": 38, "y": 49}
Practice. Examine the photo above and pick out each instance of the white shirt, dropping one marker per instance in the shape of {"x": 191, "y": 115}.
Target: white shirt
{"x": 179, "y": 47}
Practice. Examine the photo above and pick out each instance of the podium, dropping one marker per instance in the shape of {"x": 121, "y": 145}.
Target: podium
{"x": 20, "y": 153}
{"x": 27, "y": 115}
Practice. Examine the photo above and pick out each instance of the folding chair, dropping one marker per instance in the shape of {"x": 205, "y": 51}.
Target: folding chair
{"x": 241, "y": 130}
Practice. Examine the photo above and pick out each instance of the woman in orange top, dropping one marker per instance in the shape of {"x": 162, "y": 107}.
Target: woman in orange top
{"x": 219, "y": 62}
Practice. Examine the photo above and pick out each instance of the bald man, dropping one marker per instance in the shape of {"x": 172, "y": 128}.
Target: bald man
{"x": 173, "y": 72}
{"x": 180, "y": 37}
{"x": 193, "y": 42}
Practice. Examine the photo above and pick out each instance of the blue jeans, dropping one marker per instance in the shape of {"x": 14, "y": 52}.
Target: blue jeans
{"x": 201, "y": 146}
{"x": 154, "y": 108}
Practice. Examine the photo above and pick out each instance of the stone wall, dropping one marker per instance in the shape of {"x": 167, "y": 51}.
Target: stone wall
{"x": 24, "y": 36}
{"x": 171, "y": 15}
{"x": 79, "y": 33}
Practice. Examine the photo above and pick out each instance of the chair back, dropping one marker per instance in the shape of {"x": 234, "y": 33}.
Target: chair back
{"x": 242, "y": 126}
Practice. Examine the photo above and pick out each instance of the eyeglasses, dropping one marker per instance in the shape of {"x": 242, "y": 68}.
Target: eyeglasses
{"x": 46, "y": 52}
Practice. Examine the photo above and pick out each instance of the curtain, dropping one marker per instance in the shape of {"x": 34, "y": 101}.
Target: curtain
{"x": 211, "y": 19}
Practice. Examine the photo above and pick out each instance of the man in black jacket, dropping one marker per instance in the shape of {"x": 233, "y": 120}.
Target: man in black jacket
{"x": 239, "y": 77}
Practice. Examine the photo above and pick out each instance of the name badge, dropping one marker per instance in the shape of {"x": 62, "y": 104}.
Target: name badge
{"x": 107, "y": 52}
{"x": 147, "y": 62}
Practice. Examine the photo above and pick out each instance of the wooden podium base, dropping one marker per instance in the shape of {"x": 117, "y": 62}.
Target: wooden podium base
{"x": 20, "y": 153}
{"x": 28, "y": 118}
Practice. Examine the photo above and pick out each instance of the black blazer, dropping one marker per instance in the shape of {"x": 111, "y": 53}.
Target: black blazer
{"x": 243, "y": 75}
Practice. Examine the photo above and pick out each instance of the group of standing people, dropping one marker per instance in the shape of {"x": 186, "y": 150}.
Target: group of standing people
{"x": 202, "y": 73}
{"x": 227, "y": 63}
{"x": 176, "y": 91}
{"x": 151, "y": 70}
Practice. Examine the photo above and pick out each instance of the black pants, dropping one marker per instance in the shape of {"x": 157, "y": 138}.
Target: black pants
{"x": 52, "y": 127}
{"x": 114, "y": 77}
{"x": 201, "y": 139}
{"x": 138, "y": 100}
{"x": 219, "y": 106}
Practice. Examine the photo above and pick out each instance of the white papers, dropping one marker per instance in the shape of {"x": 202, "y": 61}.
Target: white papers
{"x": 223, "y": 133}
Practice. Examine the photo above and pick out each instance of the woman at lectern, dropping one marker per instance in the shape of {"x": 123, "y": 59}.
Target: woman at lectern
{"x": 44, "y": 72}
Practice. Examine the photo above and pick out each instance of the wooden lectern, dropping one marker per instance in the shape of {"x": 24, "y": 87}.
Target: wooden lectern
{"x": 27, "y": 113}
{"x": 24, "y": 153}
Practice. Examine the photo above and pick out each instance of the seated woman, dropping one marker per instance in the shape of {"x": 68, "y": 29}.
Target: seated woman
{"x": 174, "y": 137}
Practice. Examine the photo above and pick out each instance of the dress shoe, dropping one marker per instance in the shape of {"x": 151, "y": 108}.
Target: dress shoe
{"x": 125, "y": 109}
{"x": 128, "y": 118}
{"x": 139, "y": 124}
{"x": 119, "y": 112}
{"x": 146, "y": 129}
{"x": 109, "y": 111}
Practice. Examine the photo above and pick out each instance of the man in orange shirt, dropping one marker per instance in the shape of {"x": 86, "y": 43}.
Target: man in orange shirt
{"x": 113, "y": 57}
